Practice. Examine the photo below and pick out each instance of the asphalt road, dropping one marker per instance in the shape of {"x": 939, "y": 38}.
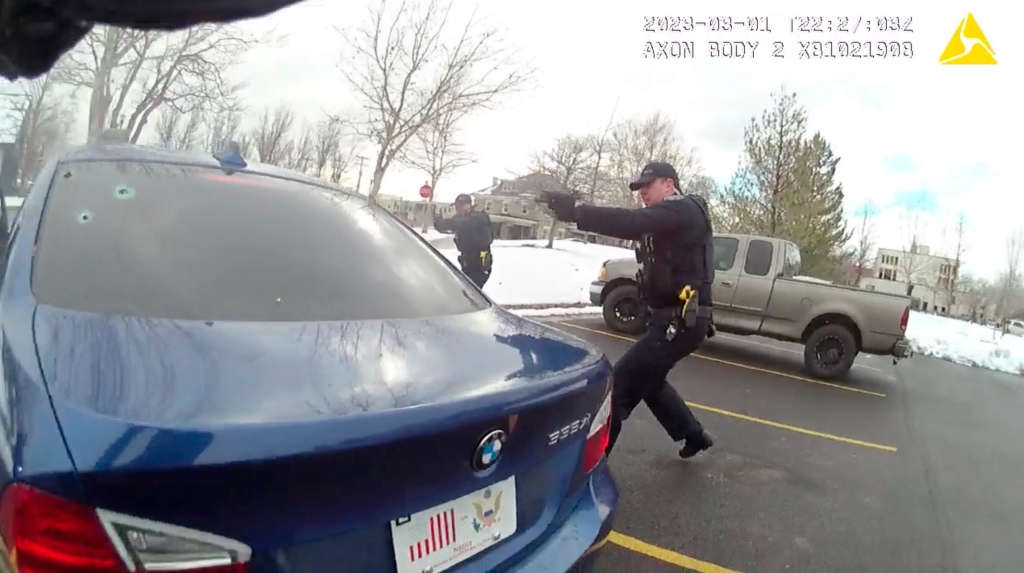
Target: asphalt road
{"x": 917, "y": 467}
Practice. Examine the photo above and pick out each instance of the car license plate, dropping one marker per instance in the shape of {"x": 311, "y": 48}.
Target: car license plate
{"x": 444, "y": 536}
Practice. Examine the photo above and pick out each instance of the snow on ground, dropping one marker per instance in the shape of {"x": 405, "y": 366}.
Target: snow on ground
{"x": 545, "y": 282}
{"x": 558, "y": 311}
{"x": 526, "y": 273}
{"x": 965, "y": 343}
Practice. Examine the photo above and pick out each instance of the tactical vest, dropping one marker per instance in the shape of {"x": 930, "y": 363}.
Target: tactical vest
{"x": 670, "y": 262}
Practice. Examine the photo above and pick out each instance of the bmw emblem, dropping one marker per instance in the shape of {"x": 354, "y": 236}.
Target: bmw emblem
{"x": 489, "y": 450}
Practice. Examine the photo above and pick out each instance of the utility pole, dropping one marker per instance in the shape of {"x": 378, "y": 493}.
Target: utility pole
{"x": 359, "y": 181}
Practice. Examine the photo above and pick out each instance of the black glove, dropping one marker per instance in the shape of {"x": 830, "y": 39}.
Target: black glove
{"x": 563, "y": 204}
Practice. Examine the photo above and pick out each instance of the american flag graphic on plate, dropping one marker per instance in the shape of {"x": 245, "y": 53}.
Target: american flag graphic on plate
{"x": 439, "y": 538}
{"x": 441, "y": 535}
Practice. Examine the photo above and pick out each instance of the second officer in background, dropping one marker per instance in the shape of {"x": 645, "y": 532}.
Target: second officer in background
{"x": 675, "y": 251}
{"x": 473, "y": 238}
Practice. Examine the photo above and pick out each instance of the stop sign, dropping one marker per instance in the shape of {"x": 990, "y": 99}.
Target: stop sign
{"x": 425, "y": 191}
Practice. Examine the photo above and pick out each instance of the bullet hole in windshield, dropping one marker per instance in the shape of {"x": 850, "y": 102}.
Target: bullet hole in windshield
{"x": 84, "y": 217}
{"x": 124, "y": 192}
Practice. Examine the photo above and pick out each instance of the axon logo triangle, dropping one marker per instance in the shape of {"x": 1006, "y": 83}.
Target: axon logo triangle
{"x": 968, "y": 46}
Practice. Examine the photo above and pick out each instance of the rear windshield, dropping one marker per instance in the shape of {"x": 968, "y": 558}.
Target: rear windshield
{"x": 171, "y": 241}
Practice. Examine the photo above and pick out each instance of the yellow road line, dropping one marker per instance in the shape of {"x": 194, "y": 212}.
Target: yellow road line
{"x": 737, "y": 364}
{"x": 746, "y": 340}
{"x": 661, "y": 554}
{"x": 796, "y": 429}
{"x": 762, "y": 421}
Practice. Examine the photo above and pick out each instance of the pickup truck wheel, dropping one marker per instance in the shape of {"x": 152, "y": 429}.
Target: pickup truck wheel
{"x": 623, "y": 311}
{"x": 830, "y": 351}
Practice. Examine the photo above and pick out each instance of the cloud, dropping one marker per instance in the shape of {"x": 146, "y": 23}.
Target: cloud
{"x": 971, "y": 172}
{"x": 920, "y": 201}
{"x": 869, "y": 208}
{"x": 900, "y": 164}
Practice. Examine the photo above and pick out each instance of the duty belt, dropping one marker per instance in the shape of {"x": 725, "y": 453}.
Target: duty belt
{"x": 672, "y": 312}
{"x": 684, "y": 316}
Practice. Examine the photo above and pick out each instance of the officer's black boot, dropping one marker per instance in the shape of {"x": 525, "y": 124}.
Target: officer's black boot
{"x": 695, "y": 444}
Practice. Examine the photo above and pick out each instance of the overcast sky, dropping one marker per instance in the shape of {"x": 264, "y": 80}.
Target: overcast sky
{"x": 905, "y": 129}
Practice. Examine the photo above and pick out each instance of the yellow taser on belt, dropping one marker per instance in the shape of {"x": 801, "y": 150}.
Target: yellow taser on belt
{"x": 688, "y": 313}
{"x": 685, "y": 296}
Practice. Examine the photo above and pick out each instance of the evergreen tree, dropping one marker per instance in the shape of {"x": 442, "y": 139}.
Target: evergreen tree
{"x": 816, "y": 223}
{"x": 785, "y": 187}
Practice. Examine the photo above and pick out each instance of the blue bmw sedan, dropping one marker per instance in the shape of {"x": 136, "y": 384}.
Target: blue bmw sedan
{"x": 224, "y": 368}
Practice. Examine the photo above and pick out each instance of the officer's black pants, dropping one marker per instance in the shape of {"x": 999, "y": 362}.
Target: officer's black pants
{"x": 477, "y": 271}
{"x": 477, "y": 274}
{"x": 640, "y": 375}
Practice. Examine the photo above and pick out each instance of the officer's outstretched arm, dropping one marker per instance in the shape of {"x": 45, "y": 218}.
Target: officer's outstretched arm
{"x": 629, "y": 224}
{"x": 444, "y": 225}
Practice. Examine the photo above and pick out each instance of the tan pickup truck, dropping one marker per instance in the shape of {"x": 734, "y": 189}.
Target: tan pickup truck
{"x": 756, "y": 293}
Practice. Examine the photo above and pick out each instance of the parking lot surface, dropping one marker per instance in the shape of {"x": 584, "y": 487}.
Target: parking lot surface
{"x": 917, "y": 467}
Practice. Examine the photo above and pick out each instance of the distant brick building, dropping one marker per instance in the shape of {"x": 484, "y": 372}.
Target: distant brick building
{"x": 931, "y": 279}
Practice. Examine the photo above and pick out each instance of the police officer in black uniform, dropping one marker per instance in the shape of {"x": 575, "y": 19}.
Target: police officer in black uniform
{"x": 473, "y": 238}
{"x": 675, "y": 251}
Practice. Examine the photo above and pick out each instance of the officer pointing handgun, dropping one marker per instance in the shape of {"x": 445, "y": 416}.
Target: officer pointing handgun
{"x": 675, "y": 251}
{"x": 473, "y": 238}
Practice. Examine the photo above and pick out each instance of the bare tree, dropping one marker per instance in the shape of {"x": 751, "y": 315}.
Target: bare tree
{"x": 132, "y": 73}
{"x": 224, "y": 126}
{"x": 40, "y": 117}
{"x": 333, "y": 149}
{"x": 959, "y": 248}
{"x": 601, "y": 185}
{"x": 570, "y": 161}
{"x": 638, "y": 141}
{"x": 601, "y": 147}
{"x": 341, "y": 160}
{"x": 436, "y": 152}
{"x": 325, "y": 144}
{"x": 865, "y": 241}
{"x": 246, "y": 145}
{"x": 974, "y": 293}
{"x": 1014, "y": 251}
{"x": 407, "y": 69}
{"x": 1011, "y": 279}
{"x": 701, "y": 185}
{"x": 271, "y": 137}
{"x": 911, "y": 260}
{"x": 173, "y": 133}
{"x": 301, "y": 151}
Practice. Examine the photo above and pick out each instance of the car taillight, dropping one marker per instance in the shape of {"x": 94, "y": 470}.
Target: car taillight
{"x": 905, "y": 318}
{"x": 597, "y": 436}
{"x": 43, "y": 533}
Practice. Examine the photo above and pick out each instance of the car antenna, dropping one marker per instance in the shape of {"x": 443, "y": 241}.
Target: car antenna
{"x": 230, "y": 158}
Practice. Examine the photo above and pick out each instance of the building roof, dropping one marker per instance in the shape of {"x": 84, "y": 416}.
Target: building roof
{"x": 926, "y": 253}
{"x": 529, "y": 185}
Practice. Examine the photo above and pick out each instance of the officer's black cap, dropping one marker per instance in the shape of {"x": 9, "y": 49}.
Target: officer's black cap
{"x": 654, "y": 170}
{"x": 463, "y": 199}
